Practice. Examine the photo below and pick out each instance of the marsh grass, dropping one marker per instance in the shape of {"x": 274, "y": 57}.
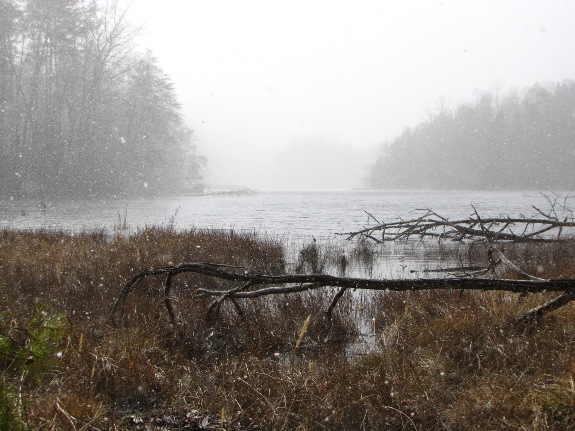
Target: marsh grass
{"x": 437, "y": 360}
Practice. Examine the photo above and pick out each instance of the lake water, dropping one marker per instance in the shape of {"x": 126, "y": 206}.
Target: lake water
{"x": 295, "y": 217}
{"x": 299, "y": 214}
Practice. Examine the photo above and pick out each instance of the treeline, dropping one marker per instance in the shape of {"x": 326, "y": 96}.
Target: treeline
{"x": 81, "y": 112}
{"x": 515, "y": 141}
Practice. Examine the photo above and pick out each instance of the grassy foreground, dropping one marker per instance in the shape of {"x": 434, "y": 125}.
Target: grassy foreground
{"x": 442, "y": 360}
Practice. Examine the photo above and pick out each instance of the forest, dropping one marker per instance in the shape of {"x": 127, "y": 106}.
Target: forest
{"x": 515, "y": 141}
{"x": 83, "y": 111}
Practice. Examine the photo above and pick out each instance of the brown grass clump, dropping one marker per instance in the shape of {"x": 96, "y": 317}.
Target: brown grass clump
{"x": 546, "y": 259}
{"x": 441, "y": 360}
{"x": 458, "y": 363}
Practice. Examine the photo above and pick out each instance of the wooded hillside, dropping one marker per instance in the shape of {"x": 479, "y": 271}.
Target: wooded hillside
{"x": 82, "y": 113}
{"x": 500, "y": 142}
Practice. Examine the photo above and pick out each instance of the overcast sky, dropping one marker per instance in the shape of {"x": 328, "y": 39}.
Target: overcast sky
{"x": 298, "y": 94}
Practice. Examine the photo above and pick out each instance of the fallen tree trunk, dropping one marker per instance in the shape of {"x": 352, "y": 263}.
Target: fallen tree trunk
{"x": 257, "y": 285}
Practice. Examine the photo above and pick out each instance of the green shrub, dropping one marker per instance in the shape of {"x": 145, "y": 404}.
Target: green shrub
{"x": 9, "y": 420}
{"x": 31, "y": 347}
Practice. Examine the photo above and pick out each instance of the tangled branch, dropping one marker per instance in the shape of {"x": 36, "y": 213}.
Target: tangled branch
{"x": 494, "y": 229}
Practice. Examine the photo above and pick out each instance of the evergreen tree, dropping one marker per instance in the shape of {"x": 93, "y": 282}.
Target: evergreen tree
{"x": 516, "y": 142}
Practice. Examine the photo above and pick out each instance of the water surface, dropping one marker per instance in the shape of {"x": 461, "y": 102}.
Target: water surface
{"x": 300, "y": 214}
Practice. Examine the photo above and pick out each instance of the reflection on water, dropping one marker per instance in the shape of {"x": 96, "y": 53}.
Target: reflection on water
{"x": 365, "y": 259}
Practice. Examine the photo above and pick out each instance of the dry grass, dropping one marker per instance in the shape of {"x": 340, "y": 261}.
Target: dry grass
{"x": 443, "y": 360}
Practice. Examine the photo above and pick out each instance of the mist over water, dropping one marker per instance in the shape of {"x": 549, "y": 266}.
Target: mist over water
{"x": 315, "y": 163}
{"x": 259, "y": 80}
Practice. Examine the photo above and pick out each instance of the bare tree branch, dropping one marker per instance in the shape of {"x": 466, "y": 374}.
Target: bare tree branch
{"x": 432, "y": 225}
{"x": 293, "y": 283}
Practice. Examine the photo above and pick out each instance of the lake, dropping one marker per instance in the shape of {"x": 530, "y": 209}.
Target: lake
{"x": 298, "y": 214}
{"x": 295, "y": 217}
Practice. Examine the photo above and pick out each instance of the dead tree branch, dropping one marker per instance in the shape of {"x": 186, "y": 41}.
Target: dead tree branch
{"x": 554, "y": 304}
{"x": 494, "y": 229}
{"x": 257, "y": 285}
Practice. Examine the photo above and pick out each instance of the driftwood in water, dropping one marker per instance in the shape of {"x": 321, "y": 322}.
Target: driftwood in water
{"x": 544, "y": 226}
{"x": 256, "y": 285}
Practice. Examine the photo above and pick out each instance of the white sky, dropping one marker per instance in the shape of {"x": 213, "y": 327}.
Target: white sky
{"x": 263, "y": 81}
